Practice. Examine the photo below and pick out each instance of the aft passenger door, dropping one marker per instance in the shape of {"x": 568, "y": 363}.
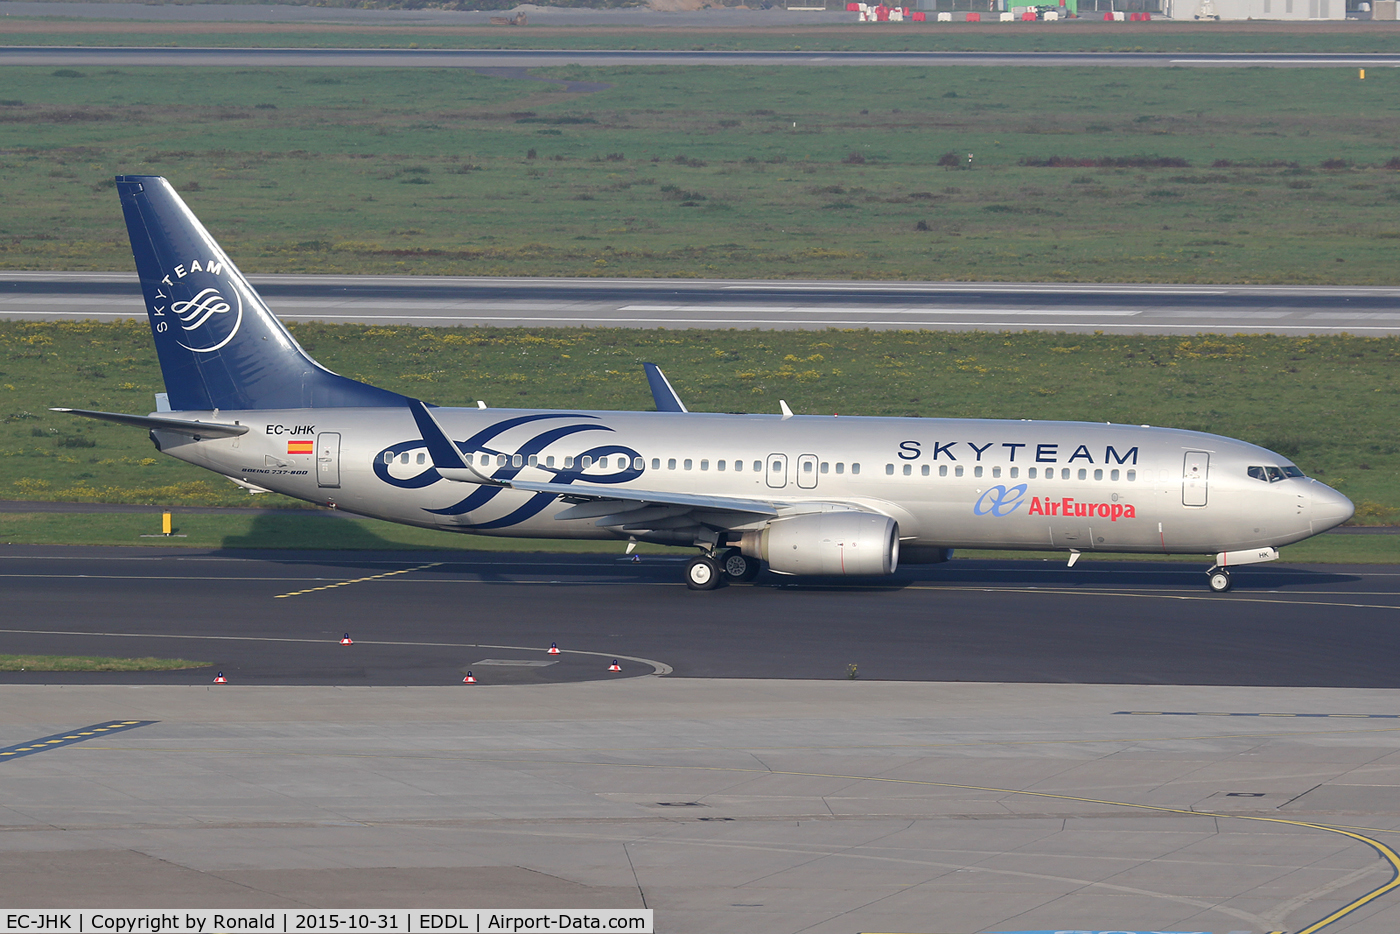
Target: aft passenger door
{"x": 776, "y": 474}
{"x": 807, "y": 471}
{"x": 1194, "y": 476}
{"x": 328, "y": 459}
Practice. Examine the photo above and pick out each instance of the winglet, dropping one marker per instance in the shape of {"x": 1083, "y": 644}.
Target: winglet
{"x": 447, "y": 459}
{"x": 787, "y": 412}
{"x": 661, "y": 391}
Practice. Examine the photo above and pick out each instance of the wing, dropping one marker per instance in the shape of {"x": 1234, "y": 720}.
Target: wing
{"x": 625, "y": 510}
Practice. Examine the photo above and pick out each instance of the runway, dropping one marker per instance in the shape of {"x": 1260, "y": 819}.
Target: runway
{"x": 669, "y": 303}
{"x": 541, "y": 58}
{"x": 426, "y": 618}
{"x": 1023, "y": 747}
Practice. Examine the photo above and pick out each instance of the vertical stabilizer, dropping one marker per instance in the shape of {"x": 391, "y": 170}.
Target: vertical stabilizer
{"x": 219, "y": 345}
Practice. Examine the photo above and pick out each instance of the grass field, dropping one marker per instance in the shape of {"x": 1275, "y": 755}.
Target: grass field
{"x": 1146, "y": 175}
{"x": 1327, "y": 402}
{"x": 94, "y": 663}
{"x": 1084, "y": 36}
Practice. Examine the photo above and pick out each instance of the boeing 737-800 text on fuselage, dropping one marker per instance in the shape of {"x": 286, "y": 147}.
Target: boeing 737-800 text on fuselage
{"x": 798, "y": 494}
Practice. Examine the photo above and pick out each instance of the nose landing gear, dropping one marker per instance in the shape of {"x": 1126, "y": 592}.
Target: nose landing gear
{"x": 703, "y": 573}
{"x": 1218, "y": 580}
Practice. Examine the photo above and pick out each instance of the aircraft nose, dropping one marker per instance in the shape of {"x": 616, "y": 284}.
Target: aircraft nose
{"x": 1329, "y": 508}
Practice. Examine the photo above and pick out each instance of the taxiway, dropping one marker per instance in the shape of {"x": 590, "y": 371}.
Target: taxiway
{"x": 668, "y": 303}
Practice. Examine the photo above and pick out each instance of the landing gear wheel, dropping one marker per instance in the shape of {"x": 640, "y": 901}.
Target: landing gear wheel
{"x": 703, "y": 573}
{"x": 738, "y": 567}
{"x": 1218, "y": 579}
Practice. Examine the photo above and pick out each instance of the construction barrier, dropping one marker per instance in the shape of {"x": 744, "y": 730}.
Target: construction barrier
{"x": 974, "y": 17}
{"x": 945, "y": 17}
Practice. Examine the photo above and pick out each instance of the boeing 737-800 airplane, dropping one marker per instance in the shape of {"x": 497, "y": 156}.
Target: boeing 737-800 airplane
{"x": 802, "y": 495}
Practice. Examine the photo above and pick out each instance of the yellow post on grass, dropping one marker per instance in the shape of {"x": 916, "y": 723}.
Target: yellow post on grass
{"x": 165, "y": 528}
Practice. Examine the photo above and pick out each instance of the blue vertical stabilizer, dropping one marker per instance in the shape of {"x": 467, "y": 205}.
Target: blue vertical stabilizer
{"x": 219, "y": 345}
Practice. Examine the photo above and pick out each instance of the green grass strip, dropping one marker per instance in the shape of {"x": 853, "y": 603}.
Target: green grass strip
{"x": 94, "y": 663}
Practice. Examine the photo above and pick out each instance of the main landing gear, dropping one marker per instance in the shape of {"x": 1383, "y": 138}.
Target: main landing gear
{"x": 738, "y": 567}
{"x": 728, "y": 566}
{"x": 1218, "y": 580}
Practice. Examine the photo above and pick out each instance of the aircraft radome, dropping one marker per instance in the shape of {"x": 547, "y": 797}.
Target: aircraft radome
{"x": 801, "y": 495}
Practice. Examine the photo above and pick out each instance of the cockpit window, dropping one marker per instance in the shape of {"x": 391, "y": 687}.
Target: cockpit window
{"x": 1274, "y": 474}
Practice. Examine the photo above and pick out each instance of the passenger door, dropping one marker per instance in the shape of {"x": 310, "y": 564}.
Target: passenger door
{"x": 776, "y": 474}
{"x": 328, "y": 459}
{"x": 1194, "y": 477}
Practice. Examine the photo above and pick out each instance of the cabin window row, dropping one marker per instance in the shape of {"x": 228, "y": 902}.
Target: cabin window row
{"x": 1032, "y": 473}
{"x": 604, "y": 462}
{"x": 519, "y": 460}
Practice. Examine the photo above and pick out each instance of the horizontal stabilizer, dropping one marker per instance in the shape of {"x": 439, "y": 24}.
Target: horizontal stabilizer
{"x": 183, "y": 426}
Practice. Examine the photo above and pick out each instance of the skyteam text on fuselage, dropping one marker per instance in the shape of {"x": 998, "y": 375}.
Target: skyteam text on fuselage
{"x": 801, "y": 495}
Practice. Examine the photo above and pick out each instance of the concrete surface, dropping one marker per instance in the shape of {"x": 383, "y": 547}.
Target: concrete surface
{"x": 725, "y": 806}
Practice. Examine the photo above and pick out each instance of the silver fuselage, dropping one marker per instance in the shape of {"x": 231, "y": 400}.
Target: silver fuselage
{"x": 961, "y": 483}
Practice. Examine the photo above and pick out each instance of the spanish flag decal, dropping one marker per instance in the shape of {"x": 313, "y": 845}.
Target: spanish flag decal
{"x": 301, "y": 447}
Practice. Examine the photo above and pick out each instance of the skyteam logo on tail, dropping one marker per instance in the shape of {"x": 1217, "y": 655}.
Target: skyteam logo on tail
{"x": 194, "y": 305}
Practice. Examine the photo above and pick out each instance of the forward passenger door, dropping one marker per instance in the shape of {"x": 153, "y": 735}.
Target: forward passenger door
{"x": 1194, "y": 476}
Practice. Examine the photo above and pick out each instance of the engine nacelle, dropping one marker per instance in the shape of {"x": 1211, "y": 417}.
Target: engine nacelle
{"x": 850, "y": 543}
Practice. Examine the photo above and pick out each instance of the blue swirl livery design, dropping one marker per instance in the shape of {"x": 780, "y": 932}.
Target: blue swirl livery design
{"x": 779, "y": 493}
{"x": 502, "y": 462}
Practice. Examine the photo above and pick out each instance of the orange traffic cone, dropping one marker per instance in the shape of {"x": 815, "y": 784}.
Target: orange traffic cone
{"x": 469, "y": 679}
{"x": 220, "y": 679}
{"x": 553, "y": 648}
{"x": 346, "y": 640}
{"x": 614, "y": 666}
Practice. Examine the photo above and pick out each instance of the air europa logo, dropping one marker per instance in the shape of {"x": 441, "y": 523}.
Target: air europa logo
{"x": 1068, "y": 506}
{"x": 1000, "y": 501}
{"x": 1003, "y": 501}
{"x": 194, "y": 295}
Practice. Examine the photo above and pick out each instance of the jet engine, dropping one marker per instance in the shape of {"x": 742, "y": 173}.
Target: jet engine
{"x": 852, "y": 543}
